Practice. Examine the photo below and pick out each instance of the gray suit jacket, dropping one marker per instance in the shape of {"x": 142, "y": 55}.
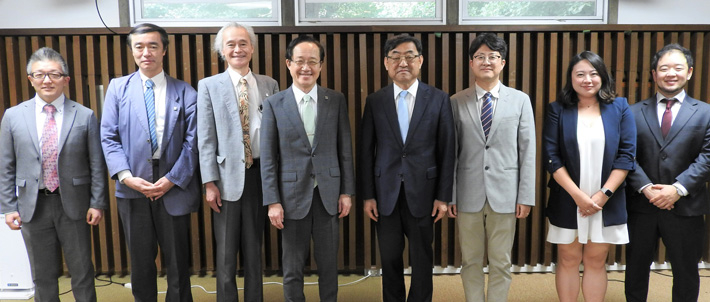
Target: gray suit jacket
{"x": 82, "y": 173}
{"x": 288, "y": 163}
{"x": 501, "y": 169}
{"x": 219, "y": 132}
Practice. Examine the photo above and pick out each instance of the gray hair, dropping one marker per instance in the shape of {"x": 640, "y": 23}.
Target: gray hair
{"x": 47, "y": 54}
{"x": 217, "y": 47}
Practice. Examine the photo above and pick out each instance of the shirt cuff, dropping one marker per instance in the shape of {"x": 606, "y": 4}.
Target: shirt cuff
{"x": 641, "y": 190}
{"x": 123, "y": 175}
{"x": 682, "y": 191}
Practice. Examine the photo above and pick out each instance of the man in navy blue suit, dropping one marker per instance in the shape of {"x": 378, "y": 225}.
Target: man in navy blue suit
{"x": 406, "y": 167}
{"x": 668, "y": 196}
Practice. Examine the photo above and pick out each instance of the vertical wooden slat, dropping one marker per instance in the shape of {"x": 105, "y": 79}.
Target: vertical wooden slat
{"x": 23, "y": 57}
{"x": 12, "y": 71}
{"x": 632, "y": 85}
{"x": 538, "y": 104}
{"x": 528, "y": 78}
{"x": 646, "y": 84}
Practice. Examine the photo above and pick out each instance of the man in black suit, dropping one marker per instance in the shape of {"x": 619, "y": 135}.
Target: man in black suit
{"x": 406, "y": 167}
{"x": 668, "y": 196}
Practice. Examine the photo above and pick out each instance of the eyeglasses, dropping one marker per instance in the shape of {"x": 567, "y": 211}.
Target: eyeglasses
{"x": 491, "y": 58}
{"x": 312, "y": 63}
{"x": 398, "y": 59}
{"x": 54, "y": 76}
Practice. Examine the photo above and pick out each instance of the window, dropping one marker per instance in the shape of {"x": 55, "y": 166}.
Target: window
{"x": 365, "y": 12}
{"x": 206, "y": 12}
{"x": 533, "y": 12}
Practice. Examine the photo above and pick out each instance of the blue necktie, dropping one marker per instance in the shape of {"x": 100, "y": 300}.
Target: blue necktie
{"x": 150, "y": 107}
{"x": 487, "y": 113}
{"x": 403, "y": 115}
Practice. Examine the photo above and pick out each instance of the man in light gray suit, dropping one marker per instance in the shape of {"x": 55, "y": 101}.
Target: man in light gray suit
{"x": 53, "y": 178}
{"x": 307, "y": 169}
{"x": 228, "y": 130}
{"x": 495, "y": 171}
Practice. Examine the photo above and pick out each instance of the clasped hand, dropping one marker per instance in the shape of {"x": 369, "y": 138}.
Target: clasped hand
{"x": 152, "y": 191}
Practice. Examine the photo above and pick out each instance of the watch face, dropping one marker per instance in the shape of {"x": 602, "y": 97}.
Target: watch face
{"x": 608, "y": 192}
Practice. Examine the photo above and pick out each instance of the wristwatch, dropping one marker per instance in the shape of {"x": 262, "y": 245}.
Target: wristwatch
{"x": 607, "y": 192}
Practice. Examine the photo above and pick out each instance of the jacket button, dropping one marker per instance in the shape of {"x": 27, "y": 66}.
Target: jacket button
{"x": 243, "y": 160}
{"x": 404, "y": 155}
{"x": 486, "y": 168}
{"x": 487, "y": 147}
{"x": 150, "y": 161}
{"x": 313, "y": 155}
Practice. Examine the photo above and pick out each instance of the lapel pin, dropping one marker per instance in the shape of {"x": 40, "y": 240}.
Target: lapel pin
{"x": 175, "y": 108}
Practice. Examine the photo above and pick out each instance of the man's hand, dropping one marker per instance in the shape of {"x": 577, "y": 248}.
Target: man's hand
{"x": 213, "y": 197}
{"x": 666, "y": 197}
{"x": 13, "y": 220}
{"x": 439, "y": 206}
{"x": 650, "y": 192}
{"x": 344, "y": 204}
{"x": 160, "y": 187}
{"x": 453, "y": 211}
{"x": 93, "y": 216}
{"x": 276, "y": 215}
{"x": 139, "y": 184}
{"x": 371, "y": 209}
{"x": 522, "y": 211}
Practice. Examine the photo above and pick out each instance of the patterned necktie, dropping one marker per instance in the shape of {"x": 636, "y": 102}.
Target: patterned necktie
{"x": 403, "y": 114}
{"x": 150, "y": 108}
{"x": 487, "y": 113}
{"x": 308, "y": 115}
{"x": 244, "y": 116}
{"x": 49, "y": 150}
{"x": 667, "y": 117}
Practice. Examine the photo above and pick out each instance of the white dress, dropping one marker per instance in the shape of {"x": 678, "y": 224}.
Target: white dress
{"x": 590, "y": 140}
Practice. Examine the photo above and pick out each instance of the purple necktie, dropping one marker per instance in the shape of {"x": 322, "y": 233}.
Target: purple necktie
{"x": 49, "y": 150}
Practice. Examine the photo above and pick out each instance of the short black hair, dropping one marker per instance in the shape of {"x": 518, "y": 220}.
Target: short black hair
{"x": 671, "y": 47}
{"x": 568, "y": 96}
{"x": 395, "y": 41}
{"x": 493, "y": 42}
{"x": 149, "y": 28}
{"x": 304, "y": 39}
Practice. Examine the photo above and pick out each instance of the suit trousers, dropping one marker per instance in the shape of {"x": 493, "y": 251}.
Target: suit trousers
{"x": 296, "y": 241}
{"x": 683, "y": 238}
{"x": 498, "y": 231}
{"x": 240, "y": 224}
{"x": 48, "y": 234}
{"x": 146, "y": 225}
{"x": 391, "y": 231}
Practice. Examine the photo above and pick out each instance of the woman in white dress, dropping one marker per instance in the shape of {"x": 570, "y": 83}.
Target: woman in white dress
{"x": 589, "y": 147}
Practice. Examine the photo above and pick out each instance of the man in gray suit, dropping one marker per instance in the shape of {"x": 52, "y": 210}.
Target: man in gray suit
{"x": 228, "y": 129}
{"x": 53, "y": 178}
{"x": 495, "y": 169}
{"x": 307, "y": 169}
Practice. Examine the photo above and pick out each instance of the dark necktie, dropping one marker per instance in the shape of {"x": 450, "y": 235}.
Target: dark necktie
{"x": 49, "y": 150}
{"x": 667, "y": 117}
{"x": 487, "y": 113}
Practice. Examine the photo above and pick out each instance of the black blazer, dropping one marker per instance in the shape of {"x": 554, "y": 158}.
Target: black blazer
{"x": 683, "y": 156}
{"x": 425, "y": 163}
{"x": 561, "y": 150}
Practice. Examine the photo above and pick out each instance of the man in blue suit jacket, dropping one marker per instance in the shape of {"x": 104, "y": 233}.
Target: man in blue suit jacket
{"x": 406, "y": 167}
{"x": 668, "y": 193}
{"x": 148, "y": 136}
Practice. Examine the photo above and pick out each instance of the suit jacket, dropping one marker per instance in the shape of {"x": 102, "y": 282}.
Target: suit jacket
{"x": 289, "y": 165}
{"x": 683, "y": 156}
{"x": 126, "y": 140}
{"x": 425, "y": 163}
{"x": 80, "y": 165}
{"x": 561, "y": 150}
{"x": 501, "y": 169}
{"x": 219, "y": 132}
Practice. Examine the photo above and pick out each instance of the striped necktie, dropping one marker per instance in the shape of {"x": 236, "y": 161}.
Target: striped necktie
{"x": 487, "y": 113}
{"x": 150, "y": 108}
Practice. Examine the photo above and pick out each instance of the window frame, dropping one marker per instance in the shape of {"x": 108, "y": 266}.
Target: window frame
{"x": 135, "y": 13}
{"x": 602, "y": 17}
{"x": 301, "y": 20}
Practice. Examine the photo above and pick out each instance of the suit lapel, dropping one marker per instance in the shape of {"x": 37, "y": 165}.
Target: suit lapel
{"x": 687, "y": 109}
{"x": 31, "y": 121}
{"x": 263, "y": 89}
{"x": 650, "y": 115}
{"x": 391, "y": 112}
{"x": 323, "y": 112}
{"x": 501, "y": 107}
{"x": 472, "y": 107}
{"x": 569, "y": 131}
{"x": 228, "y": 94}
{"x": 67, "y": 122}
{"x": 173, "y": 104}
{"x": 136, "y": 98}
{"x": 420, "y": 106}
{"x": 290, "y": 109}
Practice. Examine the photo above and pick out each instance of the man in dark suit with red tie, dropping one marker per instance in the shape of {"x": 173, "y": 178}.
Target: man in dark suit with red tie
{"x": 668, "y": 196}
{"x": 406, "y": 167}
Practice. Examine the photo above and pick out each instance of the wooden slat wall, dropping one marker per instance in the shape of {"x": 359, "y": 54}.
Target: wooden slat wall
{"x": 536, "y": 64}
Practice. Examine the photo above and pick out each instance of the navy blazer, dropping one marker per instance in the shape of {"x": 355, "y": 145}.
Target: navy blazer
{"x": 425, "y": 163}
{"x": 683, "y": 156}
{"x": 561, "y": 150}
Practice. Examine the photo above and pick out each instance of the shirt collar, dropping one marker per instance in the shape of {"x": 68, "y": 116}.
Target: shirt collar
{"x": 298, "y": 94}
{"x": 679, "y": 97}
{"x": 495, "y": 92}
{"x": 412, "y": 89}
{"x": 57, "y": 103}
{"x": 158, "y": 80}
{"x": 236, "y": 77}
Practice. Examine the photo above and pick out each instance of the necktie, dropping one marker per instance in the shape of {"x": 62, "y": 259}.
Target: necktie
{"x": 487, "y": 113}
{"x": 49, "y": 150}
{"x": 308, "y": 115}
{"x": 150, "y": 108}
{"x": 667, "y": 117}
{"x": 403, "y": 114}
{"x": 244, "y": 116}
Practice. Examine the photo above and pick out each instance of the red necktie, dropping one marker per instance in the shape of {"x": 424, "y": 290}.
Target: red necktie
{"x": 667, "y": 117}
{"x": 49, "y": 150}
